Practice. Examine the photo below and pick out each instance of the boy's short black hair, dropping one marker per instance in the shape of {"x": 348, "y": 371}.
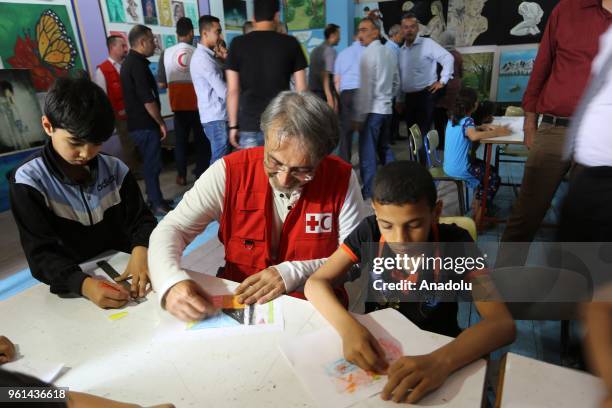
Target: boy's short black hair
{"x": 264, "y": 10}
{"x": 330, "y": 29}
{"x": 80, "y": 107}
{"x": 183, "y": 26}
{"x": 404, "y": 182}
{"x": 206, "y": 22}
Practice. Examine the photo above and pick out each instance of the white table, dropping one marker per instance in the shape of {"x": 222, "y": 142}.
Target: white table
{"x": 526, "y": 382}
{"x": 517, "y": 137}
{"x": 121, "y": 360}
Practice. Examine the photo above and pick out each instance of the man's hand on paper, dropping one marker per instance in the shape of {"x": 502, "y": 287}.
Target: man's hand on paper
{"x": 187, "y": 301}
{"x": 262, "y": 287}
{"x": 412, "y": 377}
{"x": 362, "y": 349}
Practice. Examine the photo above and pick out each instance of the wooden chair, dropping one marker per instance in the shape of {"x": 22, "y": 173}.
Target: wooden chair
{"x": 466, "y": 223}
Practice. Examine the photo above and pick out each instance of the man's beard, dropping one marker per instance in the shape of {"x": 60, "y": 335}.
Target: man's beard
{"x": 285, "y": 190}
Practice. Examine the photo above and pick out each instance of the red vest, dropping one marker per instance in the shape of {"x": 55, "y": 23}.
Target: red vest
{"x": 310, "y": 231}
{"x": 113, "y": 88}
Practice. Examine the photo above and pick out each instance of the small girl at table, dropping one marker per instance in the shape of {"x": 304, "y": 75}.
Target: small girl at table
{"x": 460, "y": 133}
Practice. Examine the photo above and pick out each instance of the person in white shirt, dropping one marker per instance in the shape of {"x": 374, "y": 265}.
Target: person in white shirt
{"x": 395, "y": 39}
{"x": 210, "y": 87}
{"x": 174, "y": 74}
{"x": 282, "y": 208}
{"x": 585, "y": 215}
{"x": 420, "y": 86}
{"x": 107, "y": 77}
{"x": 379, "y": 76}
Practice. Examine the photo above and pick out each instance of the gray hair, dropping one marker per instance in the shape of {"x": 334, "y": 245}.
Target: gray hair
{"x": 304, "y": 116}
{"x": 395, "y": 29}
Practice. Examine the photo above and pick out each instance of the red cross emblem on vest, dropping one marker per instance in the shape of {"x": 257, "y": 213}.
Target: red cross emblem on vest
{"x": 318, "y": 223}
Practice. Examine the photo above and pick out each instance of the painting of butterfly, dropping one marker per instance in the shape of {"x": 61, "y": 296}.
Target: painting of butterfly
{"x": 41, "y": 38}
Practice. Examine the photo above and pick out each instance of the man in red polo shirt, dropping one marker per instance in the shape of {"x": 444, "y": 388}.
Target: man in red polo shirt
{"x": 107, "y": 77}
{"x": 560, "y": 74}
{"x": 282, "y": 208}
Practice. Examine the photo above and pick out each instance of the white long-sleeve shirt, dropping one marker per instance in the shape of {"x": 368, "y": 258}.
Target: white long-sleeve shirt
{"x": 419, "y": 64}
{"x": 379, "y": 75}
{"x": 203, "y": 204}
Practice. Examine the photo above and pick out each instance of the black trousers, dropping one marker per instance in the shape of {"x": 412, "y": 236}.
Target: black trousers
{"x": 586, "y": 215}
{"x": 348, "y": 101}
{"x": 419, "y": 109}
{"x": 184, "y": 123}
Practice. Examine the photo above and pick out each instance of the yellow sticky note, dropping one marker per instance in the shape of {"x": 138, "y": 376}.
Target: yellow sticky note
{"x": 117, "y": 316}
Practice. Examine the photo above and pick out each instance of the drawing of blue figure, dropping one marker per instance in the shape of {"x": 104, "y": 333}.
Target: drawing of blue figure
{"x": 12, "y": 124}
{"x": 116, "y": 14}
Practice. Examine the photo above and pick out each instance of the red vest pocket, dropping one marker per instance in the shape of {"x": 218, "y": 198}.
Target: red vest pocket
{"x": 249, "y": 217}
{"x": 246, "y": 252}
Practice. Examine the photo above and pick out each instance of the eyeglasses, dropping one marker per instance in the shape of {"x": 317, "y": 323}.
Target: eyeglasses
{"x": 300, "y": 173}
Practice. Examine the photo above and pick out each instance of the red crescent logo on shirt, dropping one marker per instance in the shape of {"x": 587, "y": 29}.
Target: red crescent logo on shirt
{"x": 181, "y": 60}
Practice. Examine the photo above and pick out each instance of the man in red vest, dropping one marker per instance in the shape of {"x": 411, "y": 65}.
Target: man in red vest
{"x": 107, "y": 78}
{"x": 282, "y": 208}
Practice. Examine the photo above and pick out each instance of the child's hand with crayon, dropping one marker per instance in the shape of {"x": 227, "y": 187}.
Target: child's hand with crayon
{"x": 106, "y": 294}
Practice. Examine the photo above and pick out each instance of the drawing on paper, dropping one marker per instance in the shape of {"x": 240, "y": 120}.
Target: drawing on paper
{"x": 514, "y": 70}
{"x": 133, "y": 11}
{"x": 478, "y": 72}
{"x": 150, "y": 12}
{"x": 233, "y": 313}
{"x": 191, "y": 12}
{"x": 466, "y": 21}
{"x": 116, "y": 14}
{"x": 349, "y": 378}
{"x": 164, "y": 12}
{"x": 532, "y": 15}
{"x": 38, "y": 37}
{"x": 178, "y": 11}
{"x": 19, "y": 112}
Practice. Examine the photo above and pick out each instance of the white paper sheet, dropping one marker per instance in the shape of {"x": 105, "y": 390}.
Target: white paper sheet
{"x": 46, "y": 371}
{"x": 259, "y": 318}
{"x": 312, "y": 355}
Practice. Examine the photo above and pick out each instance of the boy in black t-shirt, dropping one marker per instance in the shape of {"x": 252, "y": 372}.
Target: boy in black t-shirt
{"x": 407, "y": 212}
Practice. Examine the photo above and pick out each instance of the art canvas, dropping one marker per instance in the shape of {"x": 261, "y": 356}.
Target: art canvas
{"x": 515, "y": 66}
{"x": 467, "y": 20}
{"x": 304, "y": 14}
{"x": 133, "y": 11}
{"x": 235, "y": 12}
{"x": 159, "y": 44}
{"x": 116, "y": 13}
{"x": 178, "y": 11}
{"x": 164, "y": 13}
{"x": 39, "y": 37}
{"x": 431, "y": 14}
{"x": 169, "y": 40}
{"x": 20, "y": 112}
{"x": 478, "y": 72}
{"x": 150, "y": 12}
{"x": 191, "y": 12}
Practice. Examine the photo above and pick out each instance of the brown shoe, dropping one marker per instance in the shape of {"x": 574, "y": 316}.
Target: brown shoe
{"x": 181, "y": 181}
